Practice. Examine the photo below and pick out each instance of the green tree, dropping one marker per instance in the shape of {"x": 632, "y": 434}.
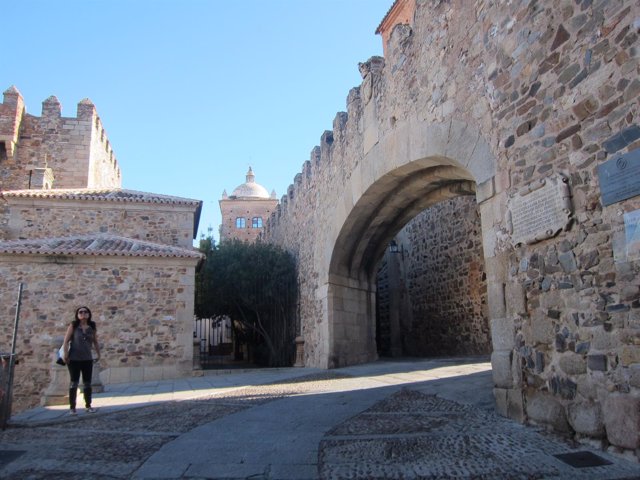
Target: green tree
{"x": 255, "y": 285}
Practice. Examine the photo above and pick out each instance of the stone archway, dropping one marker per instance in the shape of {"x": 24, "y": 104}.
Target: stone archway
{"x": 413, "y": 167}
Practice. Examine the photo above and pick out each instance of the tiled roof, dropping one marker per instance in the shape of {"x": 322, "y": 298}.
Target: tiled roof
{"x": 386, "y": 15}
{"x": 96, "y": 245}
{"x": 103, "y": 194}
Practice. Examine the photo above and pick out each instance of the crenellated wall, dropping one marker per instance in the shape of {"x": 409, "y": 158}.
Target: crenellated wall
{"x": 523, "y": 104}
{"x": 76, "y": 150}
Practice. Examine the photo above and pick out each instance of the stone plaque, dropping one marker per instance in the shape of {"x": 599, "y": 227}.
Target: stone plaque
{"x": 620, "y": 178}
{"x": 540, "y": 210}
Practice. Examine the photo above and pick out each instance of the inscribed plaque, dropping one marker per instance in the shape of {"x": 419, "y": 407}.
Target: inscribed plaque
{"x": 540, "y": 210}
{"x": 620, "y": 178}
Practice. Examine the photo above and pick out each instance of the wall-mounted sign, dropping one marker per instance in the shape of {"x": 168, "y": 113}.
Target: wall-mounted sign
{"x": 540, "y": 210}
{"x": 620, "y": 178}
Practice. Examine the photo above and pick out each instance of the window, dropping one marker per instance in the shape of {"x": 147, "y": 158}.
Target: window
{"x": 3, "y": 151}
{"x": 256, "y": 222}
{"x": 241, "y": 222}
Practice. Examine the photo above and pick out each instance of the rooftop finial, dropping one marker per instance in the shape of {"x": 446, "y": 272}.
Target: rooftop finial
{"x": 250, "y": 176}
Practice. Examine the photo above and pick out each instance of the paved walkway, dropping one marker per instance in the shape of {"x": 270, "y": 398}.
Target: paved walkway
{"x": 390, "y": 419}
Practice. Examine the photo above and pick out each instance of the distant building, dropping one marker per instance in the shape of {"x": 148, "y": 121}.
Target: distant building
{"x": 246, "y": 210}
{"x": 401, "y": 12}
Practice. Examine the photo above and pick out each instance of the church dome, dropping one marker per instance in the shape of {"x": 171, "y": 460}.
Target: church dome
{"x": 250, "y": 189}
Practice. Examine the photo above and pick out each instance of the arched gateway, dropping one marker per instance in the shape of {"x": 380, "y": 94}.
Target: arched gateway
{"x": 532, "y": 106}
{"x": 413, "y": 167}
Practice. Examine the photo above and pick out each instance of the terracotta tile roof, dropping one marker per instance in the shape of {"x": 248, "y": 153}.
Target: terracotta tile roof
{"x": 104, "y": 194}
{"x": 96, "y": 245}
{"x": 385, "y": 16}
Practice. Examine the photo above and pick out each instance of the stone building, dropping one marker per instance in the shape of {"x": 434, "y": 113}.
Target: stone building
{"x": 246, "y": 210}
{"x": 531, "y": 110}
{"x": 127, "y": 255}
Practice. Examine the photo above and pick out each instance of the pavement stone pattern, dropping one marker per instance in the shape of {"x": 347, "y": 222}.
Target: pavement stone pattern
{"x": 115, "y": 445}
{"x": 412, "y": 435}
{"x": 427, "y": 419}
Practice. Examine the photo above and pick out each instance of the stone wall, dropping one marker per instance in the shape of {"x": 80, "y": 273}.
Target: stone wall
{"x": 45, "y": 214}
{"x": 446, "y": 281}
{"x": 76, "y": 149}
{"x": 431, "y": 293}
{"x": 143, "y": 308}
{"x": 508, "y": 96}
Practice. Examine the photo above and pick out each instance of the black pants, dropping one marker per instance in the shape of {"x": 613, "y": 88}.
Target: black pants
{"x": 76, "y": 367}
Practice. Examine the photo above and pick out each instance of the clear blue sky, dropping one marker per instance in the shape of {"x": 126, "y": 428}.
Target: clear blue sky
{"x": 193, "y": 92}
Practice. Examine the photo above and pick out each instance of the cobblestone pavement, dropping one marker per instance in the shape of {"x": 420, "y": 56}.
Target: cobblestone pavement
{"x": 412, "y": 435}
{"x": 113, "y": 446}
{"x": 398, "y": 428}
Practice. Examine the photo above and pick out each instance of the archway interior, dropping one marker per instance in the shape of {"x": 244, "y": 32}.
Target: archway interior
{"x": 376, "y": 220}
{"x": 431, "y": 295}
{"x": 386, "y": 207}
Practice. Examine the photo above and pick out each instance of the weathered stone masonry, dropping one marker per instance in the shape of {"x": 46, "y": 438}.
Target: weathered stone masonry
{"x": 126, "y": 254}
{"x": 431, "y": 293}
{"x": 445, "y": 281}
{"x": 141, "y": 305}
{"x": 74, "y": 151}
{"x": 498, "y": 99}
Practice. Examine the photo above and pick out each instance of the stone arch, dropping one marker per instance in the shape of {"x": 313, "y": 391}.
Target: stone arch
{"x": 412, "y": 167}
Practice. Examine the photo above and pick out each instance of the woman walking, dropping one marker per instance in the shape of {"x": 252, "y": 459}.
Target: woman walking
{"x": 80, "y": 337}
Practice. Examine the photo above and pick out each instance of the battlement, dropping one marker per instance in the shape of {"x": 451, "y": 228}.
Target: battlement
{"x": 11, "y": 112}
{"x": 319, "y": 169}
{"x": 75, "y": 149}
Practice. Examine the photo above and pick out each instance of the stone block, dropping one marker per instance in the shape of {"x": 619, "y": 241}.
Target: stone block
{"x": 515, "y": 299}
{"x": 461, "y": 143}
{"x": 137, "y": 374}
{"x": 500, "y": 396}
{"x": 622, "y": 420}
{"x": 427, "y": 139}
{"x": 501, "y": 367}
{"x": 496, "y": 268}
{"x": 152, "y": 373}
{"x": 573, "y": 364}
{"x": 586, "y": 418}
{"x": 542, "y": 330}
{"x": 482, "y": 163}
{"x": 489, "y": 240}
{"x": 502, "y": 181}
{"x": 544, "y": 409}
{"x": 502, "y": 333}
{"x": 496, "y": 300}
{"x": 371, "y": 133}
{"x": 117, "y": 374}
{"x": 509, "y": 403}
{"x": 563, "y": 387}
{"x": 515, "y": 404}
{"x": 629, "y": 354}
{"x": 603, "y": 340}
{"x": 634, "y": 375}
{"x": 485, "y": 190}
{"x": 597, "y": 362}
